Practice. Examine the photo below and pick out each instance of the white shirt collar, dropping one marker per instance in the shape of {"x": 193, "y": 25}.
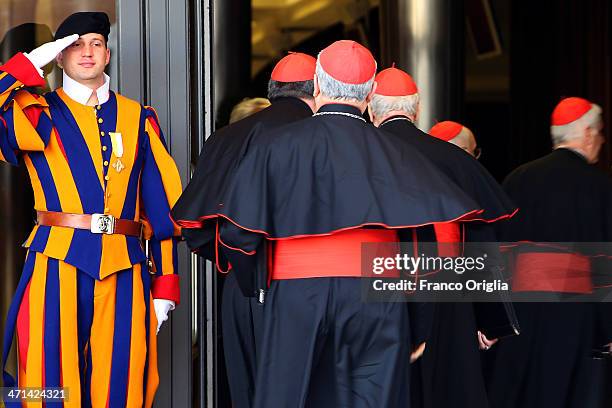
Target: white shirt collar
{"x": 81, "y": 93}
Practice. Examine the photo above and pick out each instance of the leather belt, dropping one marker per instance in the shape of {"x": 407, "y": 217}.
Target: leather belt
{"x": 96, "y": 223}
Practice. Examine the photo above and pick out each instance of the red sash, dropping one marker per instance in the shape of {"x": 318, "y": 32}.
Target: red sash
{"x": 552, "y": 272}
{"x": 448, "y": 236}
{"x": 336, "y": 255}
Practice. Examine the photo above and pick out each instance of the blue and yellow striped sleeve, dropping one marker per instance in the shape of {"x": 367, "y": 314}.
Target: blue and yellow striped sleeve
{"x": 160, "y": 189}
{"x": 25, "y": 124}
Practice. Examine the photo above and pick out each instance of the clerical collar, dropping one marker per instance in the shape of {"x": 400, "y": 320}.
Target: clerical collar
{"x": 81, "y": 93}
{"x": 292, "y": 100}
{"x": 396, "y": 118}
{"x": 576, "y": 152}
{"x": 340, "y": 110}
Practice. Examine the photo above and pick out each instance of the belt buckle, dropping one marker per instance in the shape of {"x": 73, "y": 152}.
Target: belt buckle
{"x": 102, "y": 224}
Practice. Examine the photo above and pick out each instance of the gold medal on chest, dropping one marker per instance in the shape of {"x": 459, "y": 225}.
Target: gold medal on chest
{"x": 118, "y": 166}
{"x": 117, "y": 143}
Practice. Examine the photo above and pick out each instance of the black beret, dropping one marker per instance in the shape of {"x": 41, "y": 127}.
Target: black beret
{"x": 84, "y": 22}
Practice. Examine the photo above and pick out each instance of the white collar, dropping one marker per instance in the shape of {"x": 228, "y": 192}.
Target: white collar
{"x": 81, "y": 93}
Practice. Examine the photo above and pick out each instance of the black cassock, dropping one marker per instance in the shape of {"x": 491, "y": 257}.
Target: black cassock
{"x": 450, "y": 370}
{"x": 322, "y": 345}
{"x": 561, "y": 199}
{"x": 240, "y": 316}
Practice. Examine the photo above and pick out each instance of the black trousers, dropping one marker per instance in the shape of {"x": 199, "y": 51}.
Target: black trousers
{"x": 450, "y": 372}
{"x": 323, "y": 346}
{"x": 241, "y": 320}
{"x": 549, "y": 364}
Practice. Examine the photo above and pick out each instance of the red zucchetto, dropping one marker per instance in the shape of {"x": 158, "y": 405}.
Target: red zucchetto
{"x": 295, "y": 67}
{"x": 446, "y": 130}
{"x": 348, "y": 61}
{"x": 569, "y": 110}
{"x": 395, "y": 82}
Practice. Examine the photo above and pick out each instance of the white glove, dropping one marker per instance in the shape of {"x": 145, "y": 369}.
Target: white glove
{"x": 162, "y": 307}
{"x": 41, "y": 56}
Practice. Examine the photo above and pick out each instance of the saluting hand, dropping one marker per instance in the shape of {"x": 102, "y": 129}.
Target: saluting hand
{"x": 41, "y": 56}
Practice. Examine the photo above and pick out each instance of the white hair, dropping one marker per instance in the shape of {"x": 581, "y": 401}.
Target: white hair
{"x": 334, "y": 89}
{"x": 575, "y": 129}
{"x": 380, "y": 105}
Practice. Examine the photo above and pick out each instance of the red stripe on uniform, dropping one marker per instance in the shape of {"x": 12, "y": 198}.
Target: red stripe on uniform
{"x": 154, "y": 125}
{"x": 33, "y": 114}
{"x": 42, "y": 354}
{"x": 61, "y": 145}
{"x": 23, "y": 328}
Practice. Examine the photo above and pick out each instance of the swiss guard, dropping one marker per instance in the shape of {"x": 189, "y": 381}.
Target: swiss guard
{"x": 88, "y": 304}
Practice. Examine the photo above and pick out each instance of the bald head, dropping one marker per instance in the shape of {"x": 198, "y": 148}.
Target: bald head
{"x": 465, "y": 140}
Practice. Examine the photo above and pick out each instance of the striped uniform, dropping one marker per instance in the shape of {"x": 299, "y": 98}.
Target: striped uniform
{"x": 83, "y": 307}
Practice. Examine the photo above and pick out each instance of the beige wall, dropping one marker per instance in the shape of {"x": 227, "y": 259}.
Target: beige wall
{"x": 49, "y": 12}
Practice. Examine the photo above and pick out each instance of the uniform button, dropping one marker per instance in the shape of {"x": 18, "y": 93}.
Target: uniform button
{"x": 100, "y": 120}
{"x": 105, "y": 163}
{"x": 104, "y": 148}
{"x": 102, "y": 133}
{"x": 98, "y": 107}
{"x": 106, "y": 178}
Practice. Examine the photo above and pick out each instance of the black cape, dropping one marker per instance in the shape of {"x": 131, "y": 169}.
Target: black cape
{"x": 458, "y": 166}
{"x": 218, "y": 159}
{"x": 562, "y": 199}
{"x": 328, "y": 173}
{"x": 452, "y": 360}
{"x": 324, "y": 174}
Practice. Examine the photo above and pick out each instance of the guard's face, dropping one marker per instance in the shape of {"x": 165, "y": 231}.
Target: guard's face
{"x": 85, "y": 60}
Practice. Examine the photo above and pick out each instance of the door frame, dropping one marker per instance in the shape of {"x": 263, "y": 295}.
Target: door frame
{"x": 160, "y": 43}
